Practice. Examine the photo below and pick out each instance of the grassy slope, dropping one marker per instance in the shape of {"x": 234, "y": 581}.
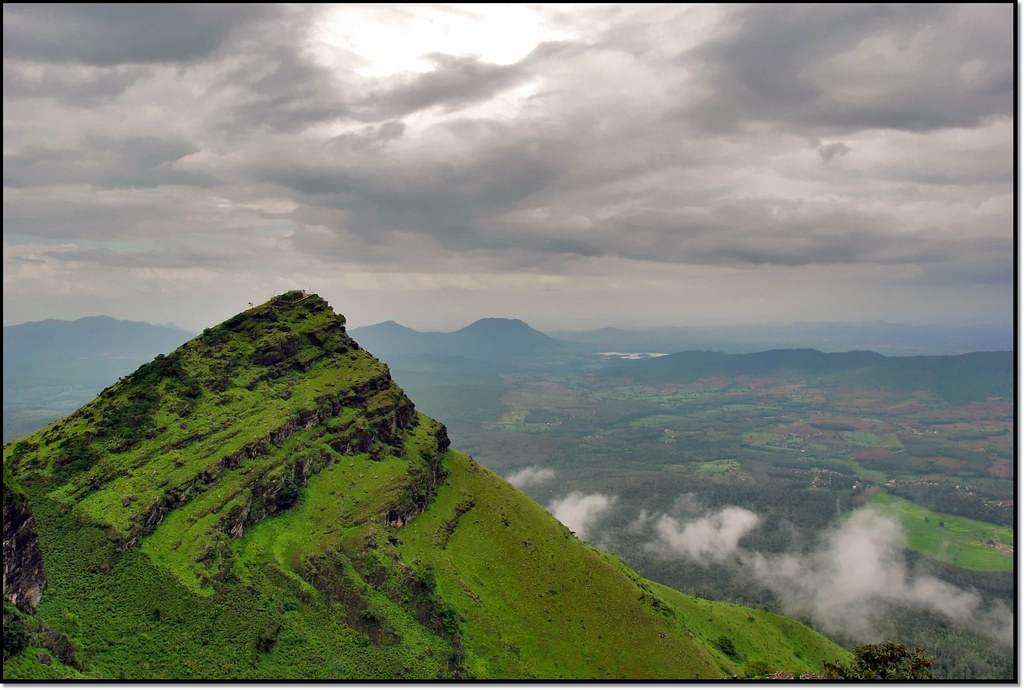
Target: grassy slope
{"x": 960, "y": 541}
{"x": 323, "y": 588}
{"x": 537, "y": 602}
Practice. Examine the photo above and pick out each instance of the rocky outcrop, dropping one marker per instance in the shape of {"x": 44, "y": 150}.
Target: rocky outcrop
{"x": 424, "y": 479}
{"x": 24, "y": 575}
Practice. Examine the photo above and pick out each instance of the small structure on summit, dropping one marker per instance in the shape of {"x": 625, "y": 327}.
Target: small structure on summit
{"x": 292, "y": 297}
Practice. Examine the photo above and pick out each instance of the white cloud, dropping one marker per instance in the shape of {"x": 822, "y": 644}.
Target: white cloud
{"x": 712, "y": 537}
{"x": 580, "y": 512}
{"x": 530, "y": 476}
{"x": 857, "y": 571}
{"x": 847, "y": 583}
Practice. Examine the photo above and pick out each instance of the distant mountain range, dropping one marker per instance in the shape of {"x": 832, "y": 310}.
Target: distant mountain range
{"x": 491, "y": 339}
{"x": 53, "y": 366}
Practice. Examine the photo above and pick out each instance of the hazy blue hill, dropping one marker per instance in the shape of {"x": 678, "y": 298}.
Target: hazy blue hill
{"x": 53, "y": 366}
{"x": 391, "y": 337}
{"x": 47, "y": 351}
{"x": 956, "y": 378}
{"x": 503, "y": 337}
{"x": 805, "y": 360}
{"x": 490, "y": 340}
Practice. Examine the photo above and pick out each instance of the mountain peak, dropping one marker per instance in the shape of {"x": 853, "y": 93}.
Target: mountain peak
{"x": 498, "y": 324}
{"x": 387, "y": 327}
{"x": 255, "y": 381}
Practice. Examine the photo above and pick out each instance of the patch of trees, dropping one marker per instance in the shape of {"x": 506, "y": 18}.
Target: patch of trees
{"x": 947, "y": 498}
{"x": 726, "y": 646}
{"x": 288, "y": 495}
{"x": 834, "y": 426}
{"x": 886, "y": 661}
{"x": 77, "y": 454}
{"x": 16, "y": 635}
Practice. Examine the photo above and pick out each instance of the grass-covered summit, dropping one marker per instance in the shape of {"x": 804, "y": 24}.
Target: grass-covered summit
{"x": 265, "y": 502}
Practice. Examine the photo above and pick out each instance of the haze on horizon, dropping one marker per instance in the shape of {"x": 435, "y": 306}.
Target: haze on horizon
{"x": 575, "y": 167}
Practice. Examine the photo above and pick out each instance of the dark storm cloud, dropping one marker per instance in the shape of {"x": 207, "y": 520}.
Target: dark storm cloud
{"x": 282, "y": 90}
{"x": 454, "y": 82}
{"x": 72, "y": 85}
{"x": 836, "y": 149}
{"x": 105, "y": 162}
{"x": 500, "y": 170}
{"x": 100, "y": 256}
{"x": 517, "y": 188}
{"x": 113, "y": 34}
{"x": 993, "y": 268}
{"x": 917, "y": 67}
{"x": 75, "y": 217}
{"x": 749, "y": 231}
{"x": 286, "y": 90}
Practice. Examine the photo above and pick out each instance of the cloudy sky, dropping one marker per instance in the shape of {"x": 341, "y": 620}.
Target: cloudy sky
{"x": 572, "y": 166}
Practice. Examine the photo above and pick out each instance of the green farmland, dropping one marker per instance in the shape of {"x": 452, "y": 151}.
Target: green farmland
{"x": 960, "y": 541}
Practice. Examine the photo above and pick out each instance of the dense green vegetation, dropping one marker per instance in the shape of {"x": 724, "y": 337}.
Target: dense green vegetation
{"x": 887, "y": 661}
{"x": 265, "y": 502}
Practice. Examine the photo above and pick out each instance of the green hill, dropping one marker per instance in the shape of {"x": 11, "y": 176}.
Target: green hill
{"x": 265, "y": 503}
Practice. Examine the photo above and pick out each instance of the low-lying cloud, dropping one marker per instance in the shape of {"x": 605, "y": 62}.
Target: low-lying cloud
{"x": 846, "y": 583}
{"x": 580, "y": 512}
{"x": 713, "y": 537}
{"x": 530, "y": 476}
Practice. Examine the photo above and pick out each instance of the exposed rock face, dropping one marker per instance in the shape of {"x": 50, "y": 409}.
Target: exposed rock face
{"x": 422, "y": 488}
{"x": 24, "y": 576}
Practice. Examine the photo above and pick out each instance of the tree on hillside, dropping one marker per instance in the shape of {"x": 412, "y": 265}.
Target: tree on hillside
{"x": 886, "y": 661}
